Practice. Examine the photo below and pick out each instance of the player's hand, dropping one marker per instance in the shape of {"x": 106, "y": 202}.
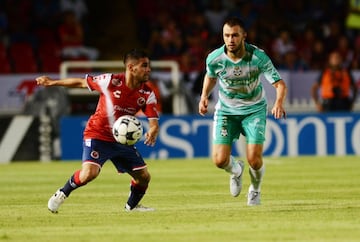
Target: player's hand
{"x": 44, "y": 81}
{"x": 278, "y": 112}
{"x": 203, "y": 105}
{"x": 150, "y": 140}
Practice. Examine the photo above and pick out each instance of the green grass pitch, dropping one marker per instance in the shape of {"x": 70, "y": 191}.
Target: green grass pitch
{"x": 303, "y": 199}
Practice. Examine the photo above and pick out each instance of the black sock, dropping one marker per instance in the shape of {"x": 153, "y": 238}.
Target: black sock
{"x": 72, "y": 184}
{"x": 136, "y": 194}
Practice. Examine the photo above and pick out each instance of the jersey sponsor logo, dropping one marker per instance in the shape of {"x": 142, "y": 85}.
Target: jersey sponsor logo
{"x": 94, "y": 154}
{"x": 116, "y": 82}
{"x": 98, "y": 78}
{"x": 117, "y": 93}
{"x": 237, "y": 71}
{"x": 124, "y": 110}
{"x": 141, "y": 101}
{"x": 144, "y": 91}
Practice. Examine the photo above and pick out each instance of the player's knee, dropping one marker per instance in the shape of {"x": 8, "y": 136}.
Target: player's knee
{"x": 254, "y": 156}
{"x": 255, "y": 162}
{"x": 145, "y": 178}
{"x": 220, "y": 160}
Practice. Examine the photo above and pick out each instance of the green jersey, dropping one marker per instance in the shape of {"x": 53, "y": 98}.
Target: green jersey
{"x": 240, "y": 89}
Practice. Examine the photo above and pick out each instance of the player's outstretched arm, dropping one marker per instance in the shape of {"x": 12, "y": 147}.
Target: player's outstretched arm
{"x": 66, "y": 82}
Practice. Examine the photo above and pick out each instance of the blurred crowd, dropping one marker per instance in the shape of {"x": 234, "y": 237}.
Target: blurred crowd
{"x": 37, "y": 35}
{"x": 297, "y": 35}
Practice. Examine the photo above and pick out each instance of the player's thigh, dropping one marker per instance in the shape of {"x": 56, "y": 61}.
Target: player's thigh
{"x": 226, "y": 130}
{"x": 254, "y": 126}
{"x": 127, "y": 159}
{"x": 89, "y": 171}
{"x": 96, "y": 152}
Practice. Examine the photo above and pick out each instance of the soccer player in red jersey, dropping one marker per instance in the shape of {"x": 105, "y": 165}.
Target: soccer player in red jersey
{"x": 120, "y": 94}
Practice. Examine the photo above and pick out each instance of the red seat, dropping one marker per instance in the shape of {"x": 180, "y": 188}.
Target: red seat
{"x": 45, "y": 35}
{"x": 3, "y": 51}
{"x": 49, "y": 54}
{"x": 50, "y": 63}
{"x": 25, "y": 65}
{"x": 23, "y": 58}
{"x": 21, "y": 50}
{"x": 49, "y": 49}
{"x": 5, "y": 66}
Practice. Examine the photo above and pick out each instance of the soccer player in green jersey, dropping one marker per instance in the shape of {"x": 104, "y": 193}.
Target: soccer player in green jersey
{"x": 241, "y": 107}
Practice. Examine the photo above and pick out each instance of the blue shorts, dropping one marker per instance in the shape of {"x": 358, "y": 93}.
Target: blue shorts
{"x": 125, "y": 158}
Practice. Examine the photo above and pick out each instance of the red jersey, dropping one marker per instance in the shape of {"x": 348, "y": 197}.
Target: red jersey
{"x": 116, "y": 100}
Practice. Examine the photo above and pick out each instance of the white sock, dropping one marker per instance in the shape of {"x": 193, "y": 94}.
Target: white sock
{"x": 256, "y": 178}
{"x": 233, "y": 167}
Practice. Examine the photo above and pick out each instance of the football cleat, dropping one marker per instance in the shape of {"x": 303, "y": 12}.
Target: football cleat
{"x": 56, "y": 200}
{"x": 138, "y": 208}
{"x": 253, "y": 198}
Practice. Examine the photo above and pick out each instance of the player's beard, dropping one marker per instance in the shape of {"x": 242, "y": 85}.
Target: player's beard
{"x": 144, "y": 79}
{"x": 235, "y": 50}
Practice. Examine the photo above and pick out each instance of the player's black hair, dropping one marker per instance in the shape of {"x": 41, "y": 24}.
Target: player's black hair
{"x": 135, "y": 54}
{"x": 233, "y": 21}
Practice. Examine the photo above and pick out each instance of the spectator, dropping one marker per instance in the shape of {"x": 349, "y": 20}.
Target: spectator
{"x": 215, "y": 14}
{"x": 46, "y": 13}
{"x": 197, "y": 44}
{"x": 72, "y": 39}
{"x": 304, "y": 45}
{"x": 356, "y": 60}
{"x": 292, "y": 62}
{"x": 19, "y": 21}
{"x": 337, "y": 88}
{"x": 244, "y": 10}
{"x": 166, "y": 39}
{"x": 78, "y": 7}
{"x": 345, "y": 50}
{"x": 332, "y": 33}
{"x": 318, "y": 55}
{"x": 145, "y": 13}
{"x": 282, "y": 44}
{"x": 297, "y": 14}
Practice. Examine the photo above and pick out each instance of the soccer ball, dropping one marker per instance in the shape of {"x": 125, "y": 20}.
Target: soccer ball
{"x": 127, "y": 130}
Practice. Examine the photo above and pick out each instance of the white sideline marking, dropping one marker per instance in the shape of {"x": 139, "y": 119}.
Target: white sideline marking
{"x": 13, "y": 137}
